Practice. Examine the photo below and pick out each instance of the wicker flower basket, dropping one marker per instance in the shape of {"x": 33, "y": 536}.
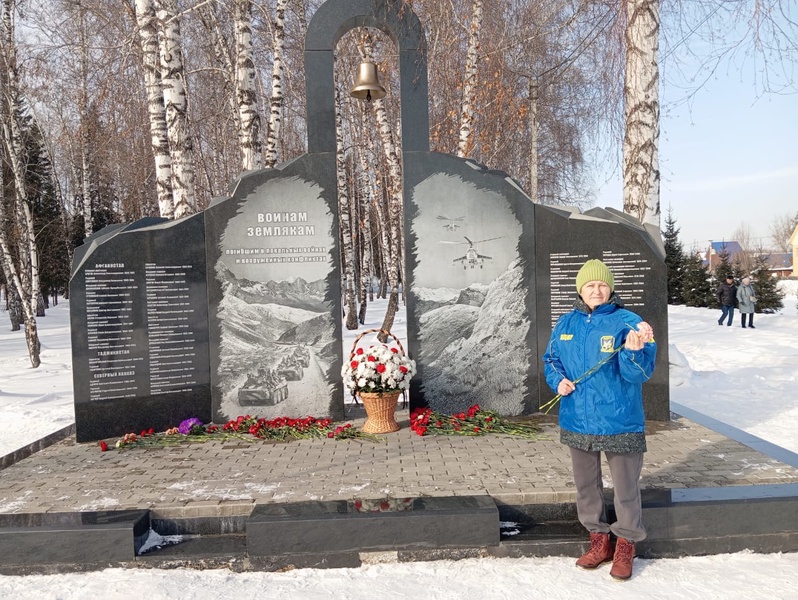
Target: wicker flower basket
{"x": 380, "y": 410}
{"x": 380, "y": 406}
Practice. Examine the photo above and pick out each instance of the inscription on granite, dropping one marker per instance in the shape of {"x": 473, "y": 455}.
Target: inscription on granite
{"x": 139, "y": 316}
{"x": 171, "y": 340}
{"x": 272, "y": 274}
{"x": 629, "y": 268}
{"x": 112, "y": 359}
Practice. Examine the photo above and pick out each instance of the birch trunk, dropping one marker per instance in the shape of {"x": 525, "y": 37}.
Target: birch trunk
{"x": 466, "y": 138}
{"x": 246, "y": 97}
{"x": 534, "y": 151}
{"x": 24, "y": 276}
{"x": 210, "y": 19}
{"x": 365, "y": 234}
{"x": 181, "y": 148}
{"x": 85, "y": 143}
{"x": 394, "y": 189}
{"x": 641, "y": 177}
{"x": 147, "y": 26}
{"x": 276, "y": 102}
{"x": 344, "y": 218}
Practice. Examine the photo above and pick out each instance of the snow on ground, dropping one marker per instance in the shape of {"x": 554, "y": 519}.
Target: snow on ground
{"x": 745, "y": 378}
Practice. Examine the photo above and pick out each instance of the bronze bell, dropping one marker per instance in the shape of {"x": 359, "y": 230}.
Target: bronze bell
{"x": 367, "y": 85}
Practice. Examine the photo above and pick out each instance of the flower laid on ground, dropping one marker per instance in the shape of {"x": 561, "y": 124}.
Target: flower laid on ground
{"x": 475, "y": 421}
{"x": 246, "y": 428}
{"x": 378, "y": 368}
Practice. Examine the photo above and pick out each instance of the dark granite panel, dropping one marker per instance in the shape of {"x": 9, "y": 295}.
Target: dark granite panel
{"x": 274, "y": 294}
{"x": 564, "y": 242}
{"x": 471, "y": 314}
{"x": 764, "y": 543}
{"x": 320, "y": 101}
{"x": 330, "y": 22}
{"x": 104, "y": 536}
{"x": 139, "y": 322}
{"x": 316, "y": 560}
{"x": 322, "y": 527}
{"x": 712, "y": 519}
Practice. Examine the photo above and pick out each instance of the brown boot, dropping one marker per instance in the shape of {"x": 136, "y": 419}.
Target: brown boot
{"x": 599, "y": 553}
{"x": 623, "y": 559}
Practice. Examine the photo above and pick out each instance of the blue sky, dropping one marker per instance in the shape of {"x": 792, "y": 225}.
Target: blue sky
{"x": 726, "y": 159}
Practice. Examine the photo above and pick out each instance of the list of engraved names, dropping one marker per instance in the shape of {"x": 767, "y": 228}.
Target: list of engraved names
{"x": 629, "y": 268}
{"x": 110, "y": 292}
{"x": 171, "y": 341}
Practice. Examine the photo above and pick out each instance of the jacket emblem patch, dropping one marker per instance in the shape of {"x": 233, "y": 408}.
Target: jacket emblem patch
{"x": 607, "y": 343}
{"x": 566, "y": 336}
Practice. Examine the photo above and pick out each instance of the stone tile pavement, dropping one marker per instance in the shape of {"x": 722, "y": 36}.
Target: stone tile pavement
{"x": 218, "y": 479}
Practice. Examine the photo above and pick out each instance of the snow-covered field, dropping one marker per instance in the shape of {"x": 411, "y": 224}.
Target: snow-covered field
{"x": 745, "y": 378}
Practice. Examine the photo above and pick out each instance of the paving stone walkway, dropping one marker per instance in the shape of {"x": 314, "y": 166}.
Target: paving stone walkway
{"x": 215, "y": 478}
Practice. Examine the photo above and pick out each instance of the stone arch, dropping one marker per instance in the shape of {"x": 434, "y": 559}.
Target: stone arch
{"x": 329, "y": 24}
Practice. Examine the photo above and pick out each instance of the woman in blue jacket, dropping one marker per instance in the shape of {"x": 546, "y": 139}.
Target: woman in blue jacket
{"x": 597, "y": 359}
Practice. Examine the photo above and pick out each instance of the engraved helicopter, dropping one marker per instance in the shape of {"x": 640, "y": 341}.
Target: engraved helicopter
{"x": 472, "y": 258}
{"x": 452, "y": 224}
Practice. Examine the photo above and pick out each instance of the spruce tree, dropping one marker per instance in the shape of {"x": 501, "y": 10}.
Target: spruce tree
{"x": 48, "y": 223}
{"x": 769, "y": 298}
{"x": 674, "y": 260}
{"x": 697, "y": 289}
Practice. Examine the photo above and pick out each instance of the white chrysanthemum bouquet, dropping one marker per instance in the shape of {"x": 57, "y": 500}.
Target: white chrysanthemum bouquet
{"x": 378, "y": 368}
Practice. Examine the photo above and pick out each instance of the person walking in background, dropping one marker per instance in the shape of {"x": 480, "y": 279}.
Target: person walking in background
{"x": 598, "y": 357}
{"x": 746, "y": 301}
{"x": 727, "y": 296}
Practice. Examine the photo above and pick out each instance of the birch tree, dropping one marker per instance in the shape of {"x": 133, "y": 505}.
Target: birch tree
{"x": 83, "y": 108}
{"x": 344, "y": 219}
{"x": 20, "y": 264}
{"x": 147, "y": 26}
{"x": 641, "y": 176}
{"x": 394, "y": 190}
{"x": 245, "y": 77}
{"x": 181, "y": 148}
{"x": 278, "y": 72}
{"x": 465, "y": 141}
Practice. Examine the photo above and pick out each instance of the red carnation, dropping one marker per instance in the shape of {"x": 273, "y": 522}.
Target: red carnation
{"x": 403, "y": 368}
{"x": 380, "y": 368}
{"x": 354, "y": 364}
{"x": 359, "y": 351}
{"x": 103, "y": 446}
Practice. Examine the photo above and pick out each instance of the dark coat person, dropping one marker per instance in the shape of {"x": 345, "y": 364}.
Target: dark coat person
{"x": 727, "y": 297}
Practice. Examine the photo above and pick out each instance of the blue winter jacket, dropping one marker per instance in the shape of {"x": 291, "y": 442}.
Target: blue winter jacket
{"x": 609, "y": 402}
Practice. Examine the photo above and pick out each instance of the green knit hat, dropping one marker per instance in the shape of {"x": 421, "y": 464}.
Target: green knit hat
{"x": 594, "y": 270}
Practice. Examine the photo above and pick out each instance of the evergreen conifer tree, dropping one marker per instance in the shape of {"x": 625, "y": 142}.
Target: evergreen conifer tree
{"x": 51, "y": 239}
{"x": 697, "y": 289}
{"x": 674, "y": 260}
{"x": 769, "y": 298}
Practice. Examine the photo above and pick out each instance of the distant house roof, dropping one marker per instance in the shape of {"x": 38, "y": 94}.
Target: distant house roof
{"x": 731, "y": 248}
{"x": 711, "y": 258}
{"x": 779, "y": 260}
